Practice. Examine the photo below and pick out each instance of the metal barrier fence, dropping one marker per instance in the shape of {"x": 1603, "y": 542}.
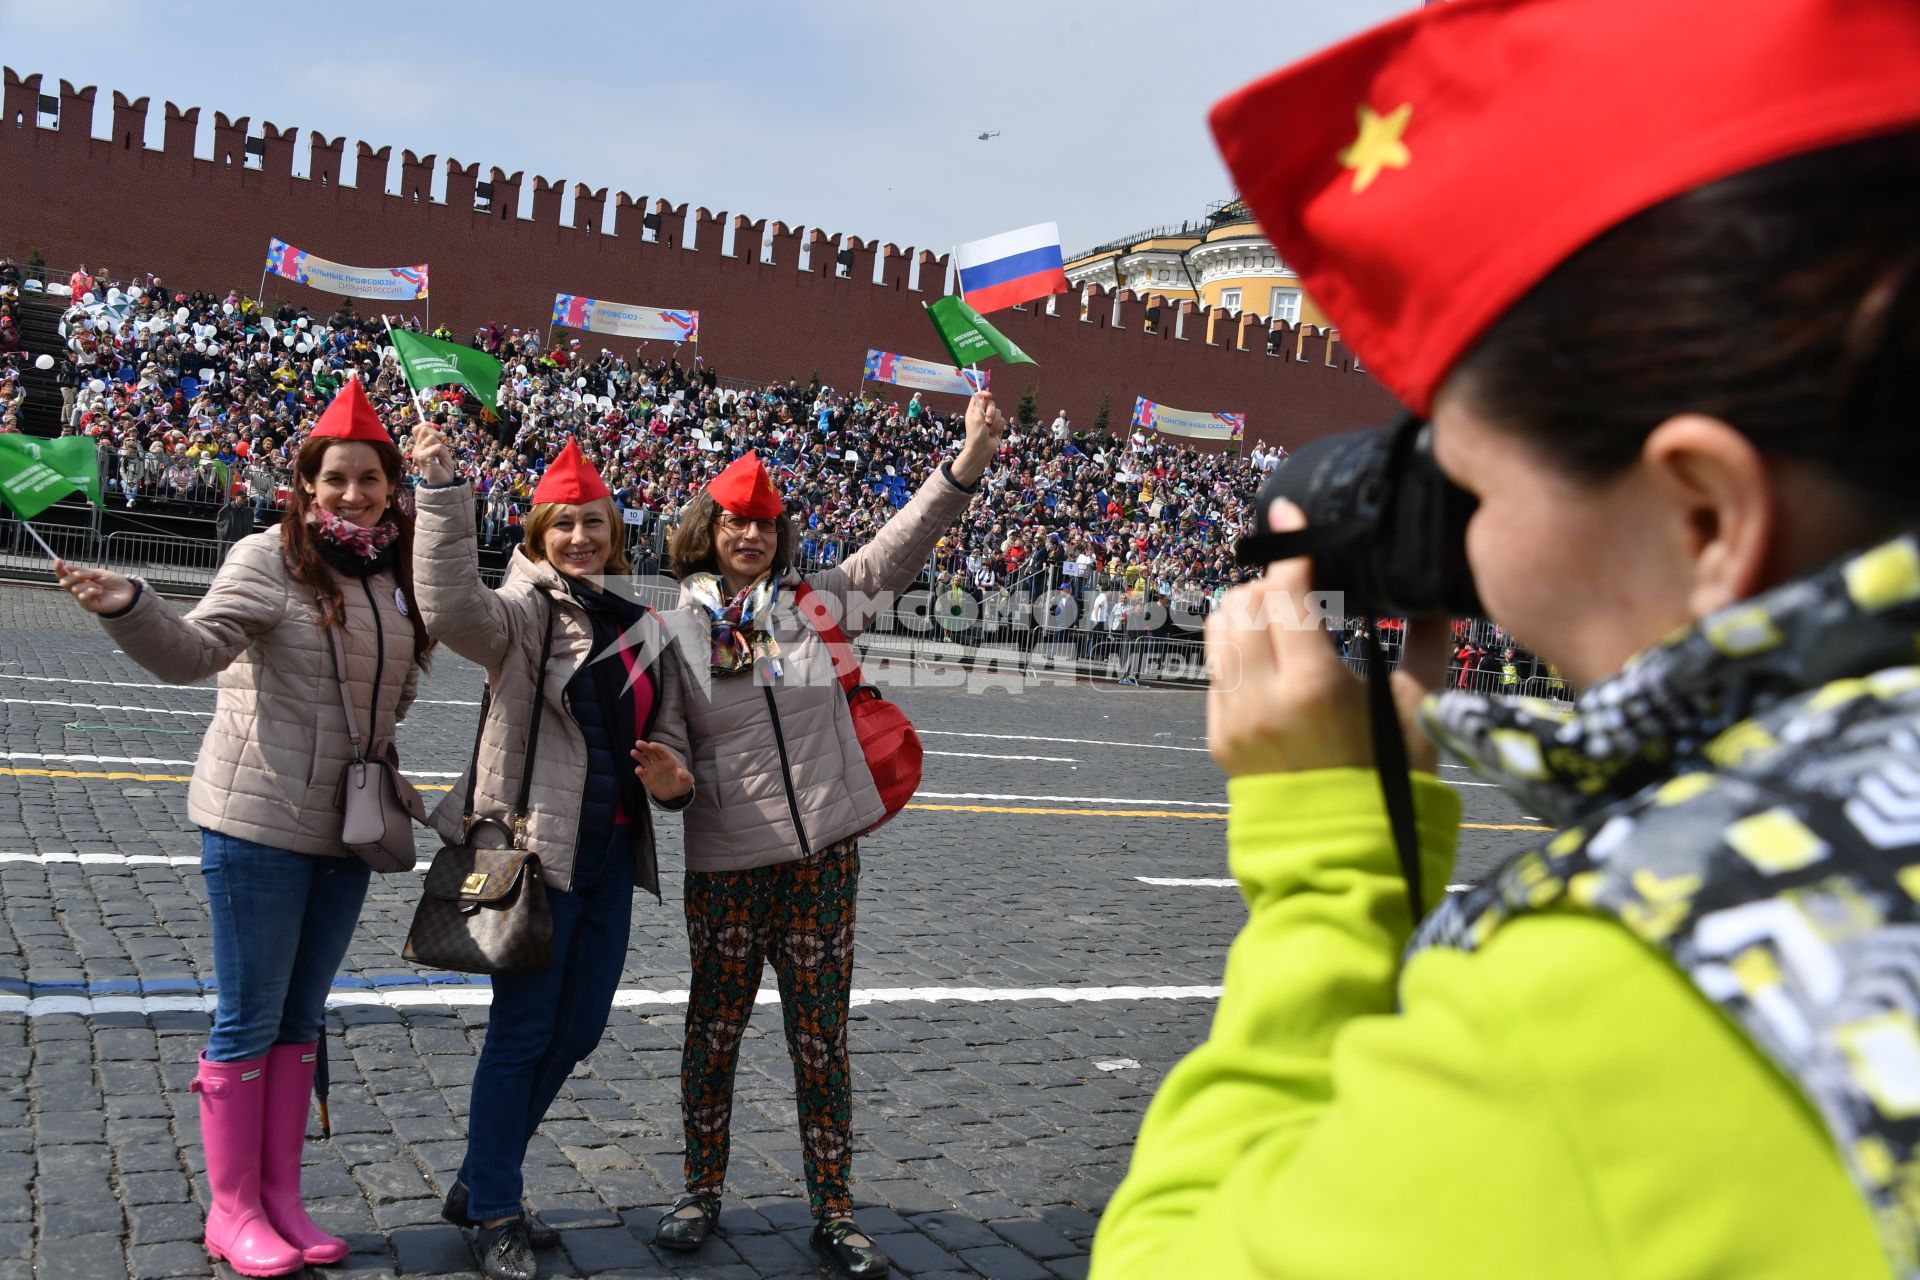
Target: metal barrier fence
{"x": 916, "y": 628}
{"x": 162, "y": 559}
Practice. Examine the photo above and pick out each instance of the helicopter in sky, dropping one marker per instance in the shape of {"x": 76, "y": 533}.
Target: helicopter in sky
{"x": 992, "y": 133}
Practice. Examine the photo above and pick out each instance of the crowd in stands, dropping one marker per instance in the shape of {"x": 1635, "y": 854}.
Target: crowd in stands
{"x": 192, "y": 394}
{"x": 197, "y": 398}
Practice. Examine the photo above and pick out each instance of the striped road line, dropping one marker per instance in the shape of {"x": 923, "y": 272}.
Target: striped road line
{"x": 625, "y": 998}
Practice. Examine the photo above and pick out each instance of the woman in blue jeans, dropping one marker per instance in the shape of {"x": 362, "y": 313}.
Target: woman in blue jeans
{"x": 577, "y": 679}
{"x": 284, "y": 893}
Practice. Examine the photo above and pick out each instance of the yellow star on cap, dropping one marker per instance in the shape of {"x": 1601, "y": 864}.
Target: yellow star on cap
{"x": 1378, "y": 146}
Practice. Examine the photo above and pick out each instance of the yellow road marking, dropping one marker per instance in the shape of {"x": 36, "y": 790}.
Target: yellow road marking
{"x": 155, "y": 777}
{"x": 118, "y": 777}
{"x": 936, "y": 808}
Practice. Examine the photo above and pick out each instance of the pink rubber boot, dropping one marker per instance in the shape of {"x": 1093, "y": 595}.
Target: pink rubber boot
{"x": 289, "y": 1102}
{"x": 232, "y": 1095}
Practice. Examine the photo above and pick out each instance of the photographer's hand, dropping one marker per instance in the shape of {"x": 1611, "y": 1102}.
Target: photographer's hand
{"x": 1280, "y": 700}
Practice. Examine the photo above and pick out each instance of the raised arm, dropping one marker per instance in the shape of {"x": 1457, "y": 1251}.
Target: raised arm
{"x": 887, "y": 565}
{"x": 455, "y": 604}
{"x": 248, "y": 598}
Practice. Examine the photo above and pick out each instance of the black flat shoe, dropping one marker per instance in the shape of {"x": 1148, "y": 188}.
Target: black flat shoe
{"x": 676, "y": 1232}
{"x": 539, "y": 1234}
{"x": 858, "y": 1260}
{"x": 505, "y": 1253}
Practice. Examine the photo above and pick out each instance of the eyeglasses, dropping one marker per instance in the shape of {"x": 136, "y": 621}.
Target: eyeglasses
{"x": 739, "y": 524}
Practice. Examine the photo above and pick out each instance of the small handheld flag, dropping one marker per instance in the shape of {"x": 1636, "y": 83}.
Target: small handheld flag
{"x": 35, "y": 474}
{"x": 967, "y": 335}
{"x": 430, "y": 362}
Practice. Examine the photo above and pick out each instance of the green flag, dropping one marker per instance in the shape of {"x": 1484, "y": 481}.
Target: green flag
{"x": 429, "y": 362}
{"x": 969, "y": 337}
{"x": 35, "y": 474}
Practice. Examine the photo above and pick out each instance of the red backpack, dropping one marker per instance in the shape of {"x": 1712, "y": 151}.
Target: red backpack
{"x": 886, "y": 736}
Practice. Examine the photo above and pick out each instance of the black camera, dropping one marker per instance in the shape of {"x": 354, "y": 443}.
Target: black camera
{"x": 1384, "y": 524}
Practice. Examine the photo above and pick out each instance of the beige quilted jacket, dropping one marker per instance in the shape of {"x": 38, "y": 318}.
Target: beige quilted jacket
{"x": 272, "y": 758}
{"x": 501, "y": 630}
{"x": 778, "y": 771}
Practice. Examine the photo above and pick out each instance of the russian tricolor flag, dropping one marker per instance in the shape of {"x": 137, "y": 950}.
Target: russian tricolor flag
{"x": 1012, "y": 267}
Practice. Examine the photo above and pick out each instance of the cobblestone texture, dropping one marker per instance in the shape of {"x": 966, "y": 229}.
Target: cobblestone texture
{"x": 987, "y": 1137}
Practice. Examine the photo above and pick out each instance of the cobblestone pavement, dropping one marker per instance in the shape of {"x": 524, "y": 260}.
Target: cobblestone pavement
{"x": 1020, "y": 993}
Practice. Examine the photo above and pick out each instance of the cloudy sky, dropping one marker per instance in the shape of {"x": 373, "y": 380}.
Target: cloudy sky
{"x": 855, "y": 117}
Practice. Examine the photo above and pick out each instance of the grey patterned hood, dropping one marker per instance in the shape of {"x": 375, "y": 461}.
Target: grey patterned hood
{"x": 1655, "y": 716}
{"x": 1745, "y": 798}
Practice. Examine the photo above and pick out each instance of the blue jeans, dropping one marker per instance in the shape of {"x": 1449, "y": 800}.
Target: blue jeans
{"x": 281, "y": 924}
{"x": 544, "y": 1024}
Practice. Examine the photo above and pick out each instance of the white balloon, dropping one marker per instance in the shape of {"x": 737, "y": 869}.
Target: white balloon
{"x": 89, "y": 297}
{"x": 302, "y": 322}
{"x": 114, "y": 295}
{"x": 180, "y": 316}
{"x": 103, "y": 324}
{"x": 580, "y": 382}
{"x": 286, "y": 339}
{"x": 96, "y": 386}
{"x": 303, "y": 347}
{"x": 43, "y": 362}
{"x": 521, "y": 370}
{"x": 200, "y": 344}
{"x": 226, "y": 308}
{"x": 135, "y": 292}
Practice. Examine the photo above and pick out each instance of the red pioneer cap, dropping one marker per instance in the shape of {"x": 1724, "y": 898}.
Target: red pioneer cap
{"x": 570, "y": 478}
{"x": 350, "y": 416}
{"x": 746, "y": 490}
{"x": 1422, "y": 177}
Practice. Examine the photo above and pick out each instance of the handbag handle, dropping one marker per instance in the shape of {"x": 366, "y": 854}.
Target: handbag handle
{"x": 846, "y": 664}
{"x": 519, "y": 815}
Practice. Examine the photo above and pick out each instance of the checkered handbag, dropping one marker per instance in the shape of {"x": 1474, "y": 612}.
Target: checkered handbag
{"x": 484, "y": 909}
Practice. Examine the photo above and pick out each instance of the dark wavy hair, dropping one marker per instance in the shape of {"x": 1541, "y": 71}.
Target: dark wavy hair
{"x": 1784, "y": 301}
{"x": 302, "y": 554}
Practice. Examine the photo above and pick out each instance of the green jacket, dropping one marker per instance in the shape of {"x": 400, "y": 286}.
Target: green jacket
{"x": 1559, "y": 1103}
{"x": 1680, "y": 1038}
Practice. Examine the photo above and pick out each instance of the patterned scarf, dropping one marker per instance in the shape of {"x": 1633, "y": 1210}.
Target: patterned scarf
{"x": 1745, "y": 797}
{"x": 741, "y": 640}
{"x": 365, "y": 542}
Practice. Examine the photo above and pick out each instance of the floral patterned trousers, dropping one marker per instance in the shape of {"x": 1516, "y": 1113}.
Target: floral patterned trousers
{"x": 798, "y": 916}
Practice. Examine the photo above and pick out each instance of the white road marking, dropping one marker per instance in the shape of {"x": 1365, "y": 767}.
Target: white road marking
{"x": 1075, "y": 742}
{"x": 1228, "y": 882}
{"x": 974, "y": 755}
{"x": 195, "y": 688}
{"x": 626, "y": 998}
{"x": 69, "y": 758}
{"x": 121, "y": 860}
{"x": 996, "y": 795}
{"x": 103, "y": 859}
{"x": 98, "y": 706}
{"x": 1190, "y": 882}
{"x": 64, "y": 757}
{"x": 110, "y": 684}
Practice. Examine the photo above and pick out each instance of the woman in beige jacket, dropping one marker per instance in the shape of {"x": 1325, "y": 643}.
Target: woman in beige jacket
{"x": 284, "y": 893}
{"x": 605, "y": 681}
{"x": 783, "y": 790}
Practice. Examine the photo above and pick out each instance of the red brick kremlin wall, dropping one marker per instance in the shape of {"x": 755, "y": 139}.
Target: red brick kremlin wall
{"x": 204, "y": 223}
